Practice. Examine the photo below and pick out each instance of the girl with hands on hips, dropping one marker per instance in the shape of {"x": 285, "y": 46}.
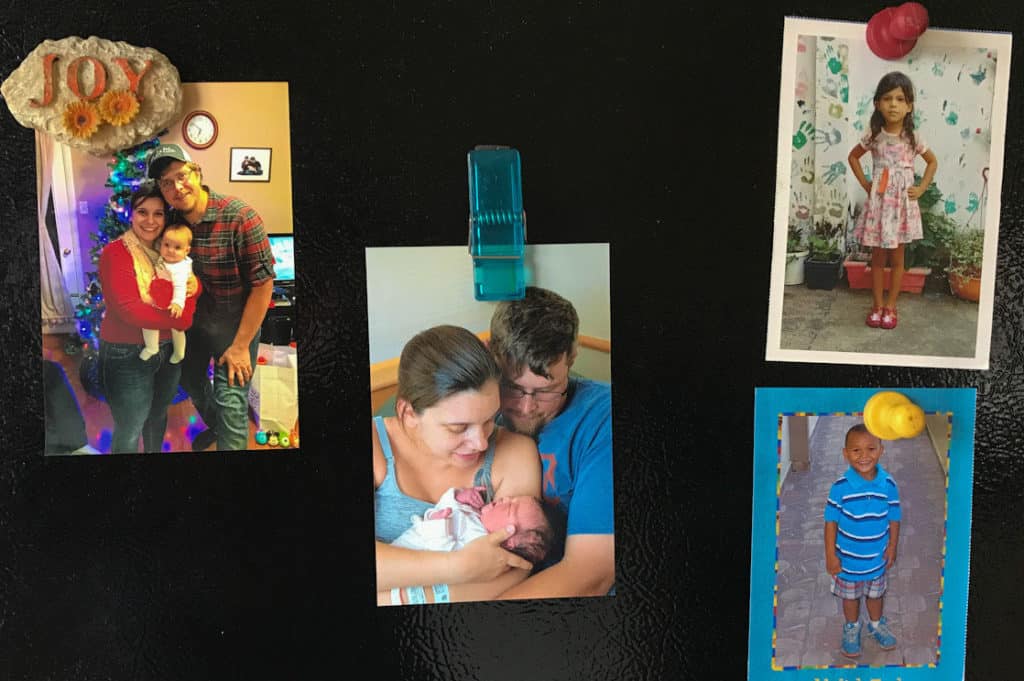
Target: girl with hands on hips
{"x": 891, "y": 217}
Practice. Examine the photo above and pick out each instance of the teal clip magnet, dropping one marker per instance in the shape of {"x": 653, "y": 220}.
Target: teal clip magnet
{"x": 497, "y": 223}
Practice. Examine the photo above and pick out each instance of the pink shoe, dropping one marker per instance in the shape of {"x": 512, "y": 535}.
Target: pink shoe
{"x": 874, "y": 319}
{"x": 889, "y": 318}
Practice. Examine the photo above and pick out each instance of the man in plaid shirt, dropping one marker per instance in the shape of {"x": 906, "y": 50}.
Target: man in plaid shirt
{"x": 231, "y": 256}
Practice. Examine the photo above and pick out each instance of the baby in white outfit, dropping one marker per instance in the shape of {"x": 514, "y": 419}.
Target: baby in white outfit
{"x": 175, "y": 244}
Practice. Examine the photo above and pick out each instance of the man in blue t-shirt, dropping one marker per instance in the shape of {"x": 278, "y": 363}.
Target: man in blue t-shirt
{"x": 534, "y": 341}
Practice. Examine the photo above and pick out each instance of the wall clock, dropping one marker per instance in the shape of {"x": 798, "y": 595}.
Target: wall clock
{"x": 199, "y": 129}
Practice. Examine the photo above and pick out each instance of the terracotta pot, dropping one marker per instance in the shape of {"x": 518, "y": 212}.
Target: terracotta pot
{"x": 858, "y": 273}
{"x": 968, "y": 288}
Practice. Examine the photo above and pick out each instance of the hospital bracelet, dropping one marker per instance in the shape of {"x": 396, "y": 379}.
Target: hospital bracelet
{"x": 416, "y": 595}
{"x": 441, "y": 593}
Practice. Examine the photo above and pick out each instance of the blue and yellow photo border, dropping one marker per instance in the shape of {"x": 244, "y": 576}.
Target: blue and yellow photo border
{"x": 770, "y": 404}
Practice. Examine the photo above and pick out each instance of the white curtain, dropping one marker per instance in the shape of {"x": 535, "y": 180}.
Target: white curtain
{"x": 58, "y": 312}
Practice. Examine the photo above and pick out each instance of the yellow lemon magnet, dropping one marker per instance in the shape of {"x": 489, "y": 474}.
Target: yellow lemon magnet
{"x": 891, "y": 416}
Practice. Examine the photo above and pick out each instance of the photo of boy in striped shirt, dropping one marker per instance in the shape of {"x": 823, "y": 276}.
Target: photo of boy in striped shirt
{"x": 862, "y": 528}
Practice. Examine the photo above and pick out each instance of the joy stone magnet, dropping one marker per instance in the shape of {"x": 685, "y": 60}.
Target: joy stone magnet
{"x": 94, "y": 94}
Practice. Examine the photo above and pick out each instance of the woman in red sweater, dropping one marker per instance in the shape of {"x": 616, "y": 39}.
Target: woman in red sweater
{"x": 138, "y": 391}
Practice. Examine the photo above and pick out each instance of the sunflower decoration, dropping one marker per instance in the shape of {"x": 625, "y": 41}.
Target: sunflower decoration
{"x": 81, "y": 119}
{"x": 118, "y": 107}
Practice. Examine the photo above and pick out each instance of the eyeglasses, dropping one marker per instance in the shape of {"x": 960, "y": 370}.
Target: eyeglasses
{"x": 171, "y": 182}
{"x": 512, "y": 391}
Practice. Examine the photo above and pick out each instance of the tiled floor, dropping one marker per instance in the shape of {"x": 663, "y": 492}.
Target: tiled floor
{"x": 809, "y": 617}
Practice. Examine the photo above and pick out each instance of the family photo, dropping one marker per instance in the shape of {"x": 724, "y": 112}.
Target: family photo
{"x": 887, "y": 215}
{"x": 865, "y": 564}
{"x": 159, "y": 284}
{"x": 492, "y": 428}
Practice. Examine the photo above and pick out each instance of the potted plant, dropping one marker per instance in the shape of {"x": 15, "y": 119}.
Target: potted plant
{"x": 824, "y": 264}
{"x": 966, "y": 249}
{"x": 932, "y": 252}
{"x": 796, "y": 254}
{"x": 933, "y": 249}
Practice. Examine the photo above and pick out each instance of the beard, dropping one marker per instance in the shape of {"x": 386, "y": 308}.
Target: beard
{"x": 529, "y": 426}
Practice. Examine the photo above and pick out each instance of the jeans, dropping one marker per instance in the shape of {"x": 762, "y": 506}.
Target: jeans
{"x": 139, "y": 393}
{"x": 223, "y": 407}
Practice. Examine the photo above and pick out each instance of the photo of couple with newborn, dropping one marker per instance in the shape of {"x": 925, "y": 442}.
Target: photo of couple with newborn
{"x": 498, "y": 458}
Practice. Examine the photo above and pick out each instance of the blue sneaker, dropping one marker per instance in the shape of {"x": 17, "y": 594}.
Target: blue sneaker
{"x": 851, "y": 639}
{"x": 881, "y": 633}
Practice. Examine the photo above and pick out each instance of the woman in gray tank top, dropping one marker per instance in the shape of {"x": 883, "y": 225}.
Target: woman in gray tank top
{"x": 443, "y": 435}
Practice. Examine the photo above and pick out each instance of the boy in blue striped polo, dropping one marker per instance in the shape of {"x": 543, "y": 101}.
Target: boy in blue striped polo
{"x": 862, "y": 528}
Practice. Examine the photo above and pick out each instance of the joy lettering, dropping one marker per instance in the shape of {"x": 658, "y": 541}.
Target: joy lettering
{"x": 99, "y": 73}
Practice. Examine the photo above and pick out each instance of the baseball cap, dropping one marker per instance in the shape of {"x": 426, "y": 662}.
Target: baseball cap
{"x": 162, "y": 156}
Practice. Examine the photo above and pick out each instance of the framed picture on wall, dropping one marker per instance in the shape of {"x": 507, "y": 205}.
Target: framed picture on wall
{"x": 250, "y": 164}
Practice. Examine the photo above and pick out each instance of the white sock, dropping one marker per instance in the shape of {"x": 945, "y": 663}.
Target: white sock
{"x": 874, "y": 624}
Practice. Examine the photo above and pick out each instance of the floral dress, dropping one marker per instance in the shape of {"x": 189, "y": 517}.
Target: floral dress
{"x": 890, "y": 217}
